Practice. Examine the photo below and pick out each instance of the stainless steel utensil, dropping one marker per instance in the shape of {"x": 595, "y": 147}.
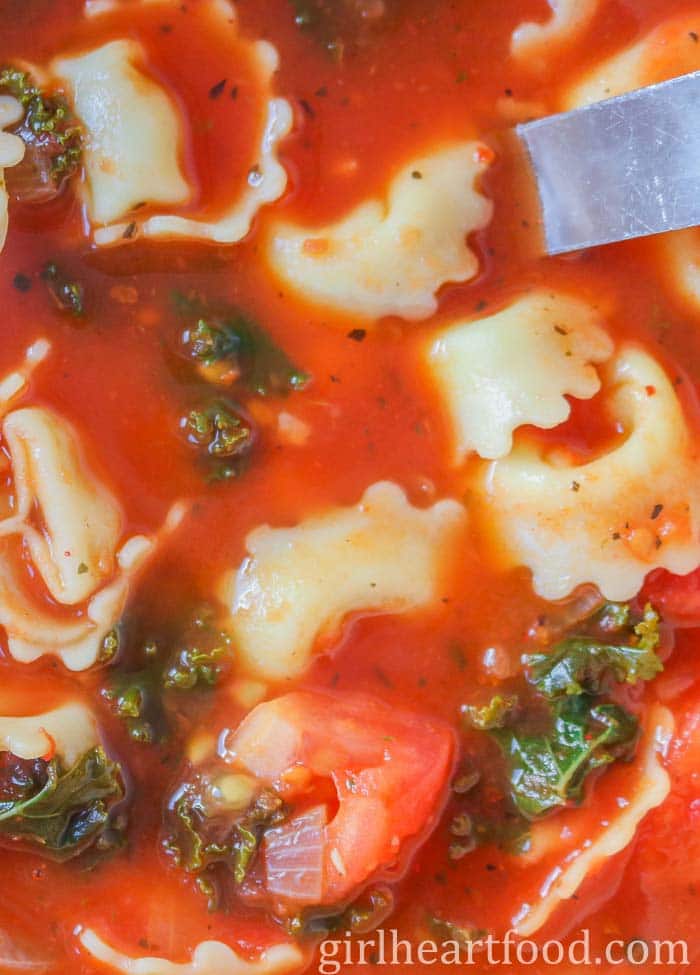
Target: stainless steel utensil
{"x": 622, "y": 168}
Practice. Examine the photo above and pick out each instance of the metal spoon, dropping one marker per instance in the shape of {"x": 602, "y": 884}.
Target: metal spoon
{"x": 621, "y": 168}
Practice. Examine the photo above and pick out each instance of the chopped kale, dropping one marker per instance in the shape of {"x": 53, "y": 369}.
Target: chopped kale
{"x": 362, "y": 916}
{"x": 135, "y": 698}
{"x": 567, "y": 728}
{"x": 581, "y": 663}
{"x": 204, "y": 653}
{"x": 231, "y": 347}
{"x": 195, "y": 659}
{"x": 48, "y": 123}
{"x": 221, "y": 431}
{"x": 59, "y": 811}
{"x": 202, "y": 838}
{"x": 548, "y": 770}
{"x": 492, "y": 715}
{"x": 68, "y": 295}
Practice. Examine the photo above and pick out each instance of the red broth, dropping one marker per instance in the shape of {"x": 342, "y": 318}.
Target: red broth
{"x": 420, "y": 77}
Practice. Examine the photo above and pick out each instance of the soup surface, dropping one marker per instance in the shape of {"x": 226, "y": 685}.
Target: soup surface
{"x": 349, "y": 547}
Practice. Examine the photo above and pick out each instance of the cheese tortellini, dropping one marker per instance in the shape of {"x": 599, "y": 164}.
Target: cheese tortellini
{"x": 612, "y": 519}
{"x": 517, "y": 367}
{"x": 136, "y": 135}
{"x": 665, "y": 52}
{"x": 69, "y": 729}
{"x": 531, "y": 41}
{"x": 69, "y": 525}
{"x": 681, "y": 257}
{"x": 299, "y": 583}
{"x": 208, "y": 958}
{"x": 11, "y": 154}
{"x": 134, "y": 146}
{"x": 391, "y": 257}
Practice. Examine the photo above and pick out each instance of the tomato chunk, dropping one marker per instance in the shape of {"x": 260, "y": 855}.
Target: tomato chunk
{"x": 362, "y": 777}
{"x": 676, "y": 597}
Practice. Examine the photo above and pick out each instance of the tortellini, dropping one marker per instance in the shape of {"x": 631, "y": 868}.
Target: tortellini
{"x": 299, "y": 583}
{"x": 391, "y": 257}
{"x": 650, "y": 788}
{"x": 532, "y": 41}
{"x": 208, "y": 958}
{"x": 11, "y": 153}
{"x": 135, "y": 141}
{"x": 69, "y": 526}
{"x": 69, "y": 729}
{"x": 81, "y": 523}
{"x": 517, "y": 367}
{"x": 680, "y": 253}
{"x": 132, "y": 155}
{"x": 665, "y": 52}
{"x": 611, "y": 519}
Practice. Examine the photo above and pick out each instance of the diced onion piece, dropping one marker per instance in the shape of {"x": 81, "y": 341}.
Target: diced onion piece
{"x": 294, "y": 857}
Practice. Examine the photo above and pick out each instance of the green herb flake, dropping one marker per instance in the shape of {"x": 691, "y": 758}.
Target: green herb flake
{"x": 68, "y": 295}
{"x": 491, "y": 715}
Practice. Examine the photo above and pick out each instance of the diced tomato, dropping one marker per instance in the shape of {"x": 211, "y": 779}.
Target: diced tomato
{"x": 388, "y": 769}
{"x": 676, "y": 597}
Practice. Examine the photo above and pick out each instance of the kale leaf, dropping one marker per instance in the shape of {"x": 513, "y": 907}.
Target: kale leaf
{"x": 554, "y": 739}
{"x": 582, "y": 663}
{"x": 134, "y": 697}
{"x": 223, "y": 436}
{"x": 201, "y": 653}
{"x": 230, "y": 345}
{"x": 200, "y": 839}
{"x": 363, "y": 915}
{"x": 548, "y": 770}
{"x": 63, "y": 811}
{"x": 204, "y": 653}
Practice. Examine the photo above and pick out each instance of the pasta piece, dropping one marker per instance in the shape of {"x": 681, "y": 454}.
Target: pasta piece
{"x": 11, "y": 153}
{"x": 137, "y": 160}
{"x": 391, "y": 258}
{"x": 650, "y": 790}
{"x": 81, "y": 523}
{"x": 208, "y": 958}
{"x": 71, "y": 728}
{"x": 517, "y": 367}
{"x": 69, "y": 525}
{"x": 612, "y": 519}
{"x": 680, "y": 255}
{"x": 665, "y": 52}
{"x": 131, "y": 155}
{"x": 79, "y": 640}
{"x": 298, "y": 583}
{"x": 531, "y": 41}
